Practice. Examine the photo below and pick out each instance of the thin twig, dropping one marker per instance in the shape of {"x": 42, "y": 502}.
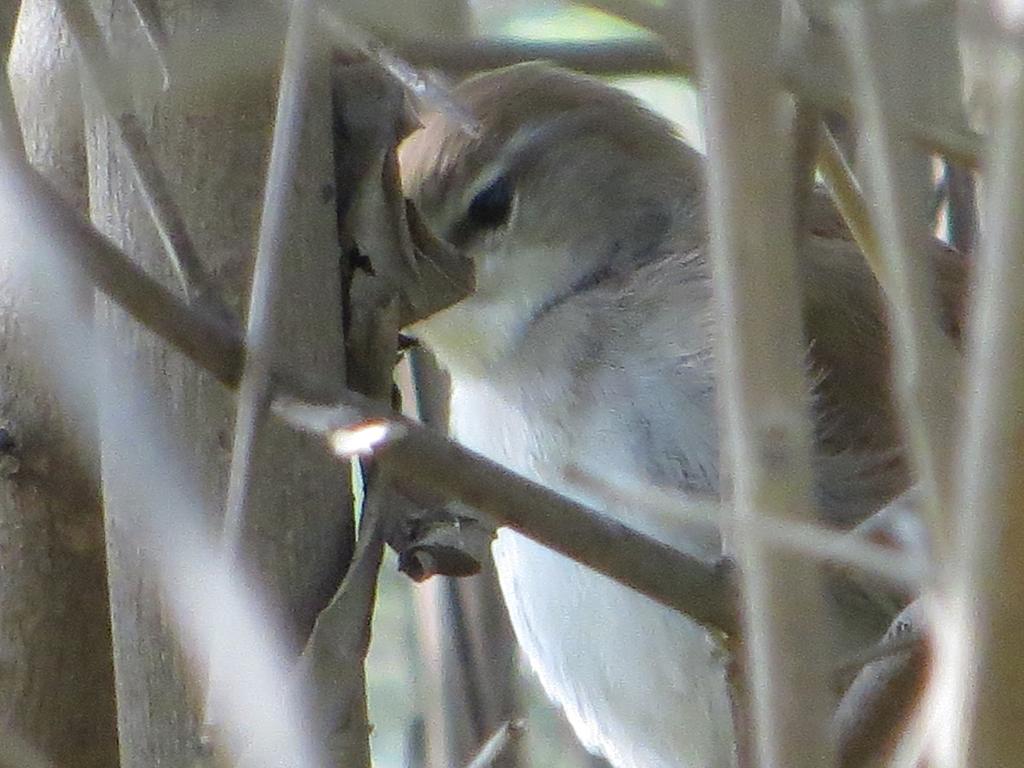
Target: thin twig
{"x": 261, "y": 339}
{"x": 642, "y": 14}
{"x": 846, "y": 193}
{"x": 106, "y": 81}
{"x": 506, "y": 734}
{"x": 699, "y": 515}
{"x": 926, "y": 361}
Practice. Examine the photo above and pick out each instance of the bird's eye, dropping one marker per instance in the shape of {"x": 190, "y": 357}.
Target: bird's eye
{"x": 492, "y": 205}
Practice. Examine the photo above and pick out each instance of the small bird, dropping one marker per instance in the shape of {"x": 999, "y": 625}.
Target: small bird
{"x": 589, "y": 343}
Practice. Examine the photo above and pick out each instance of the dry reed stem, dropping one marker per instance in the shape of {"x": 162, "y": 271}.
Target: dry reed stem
{"x": 261, "y": 340}
{"x": 762, "y": 385}
{"x": 988, "y": 583}
{"x": 926, "y": 363}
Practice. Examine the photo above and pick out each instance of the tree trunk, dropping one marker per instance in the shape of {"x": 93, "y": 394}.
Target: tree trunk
{"x": 212, "y": 139}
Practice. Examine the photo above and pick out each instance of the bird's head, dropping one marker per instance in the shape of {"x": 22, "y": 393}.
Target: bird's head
{"x": 567, "y": 181}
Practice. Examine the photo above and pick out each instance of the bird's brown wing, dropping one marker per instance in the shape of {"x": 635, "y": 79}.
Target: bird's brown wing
{"x": 851, "y": 355}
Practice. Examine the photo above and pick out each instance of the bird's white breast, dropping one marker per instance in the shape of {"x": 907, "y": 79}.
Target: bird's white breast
{"x": 640, "y": 683}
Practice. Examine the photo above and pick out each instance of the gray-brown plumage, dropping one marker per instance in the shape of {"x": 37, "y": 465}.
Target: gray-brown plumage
{"x": 589, "y": 344}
